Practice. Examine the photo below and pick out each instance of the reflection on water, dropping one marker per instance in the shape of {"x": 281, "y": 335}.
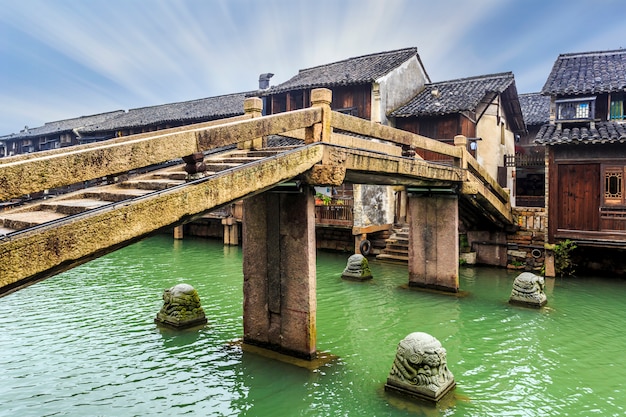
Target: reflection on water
{"x": 84, "y": 343}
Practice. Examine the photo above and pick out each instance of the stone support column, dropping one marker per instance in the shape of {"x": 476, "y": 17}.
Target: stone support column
{"x": 279, "y": 273}
{"x": 434, "y": 242}
{"x": 254, "y": 107}
{"x": 178, "y": 232}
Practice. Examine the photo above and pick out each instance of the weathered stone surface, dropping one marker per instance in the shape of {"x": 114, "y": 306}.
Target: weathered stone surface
{"x": 357, "y": 268}
{"x": 181, "y": 308}
{"x": 35, "y": 252}
{"x": 528, "y": 290}
{"x": 434, "y": 242}
{"x": 420, "y": 368}
{"x": 327, "y": 175}
{"x": 279, "y": 273}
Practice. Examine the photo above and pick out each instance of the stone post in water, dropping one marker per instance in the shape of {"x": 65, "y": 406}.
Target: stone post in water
{"x": 528, "y": 290}
{"x": 357, "y": 268}
{"x": 420, "y": 369}
{"x": 181, "y": 308}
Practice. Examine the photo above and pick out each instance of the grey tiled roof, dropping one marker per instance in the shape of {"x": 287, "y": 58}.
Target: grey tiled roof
{"x": 358, "y": 70}
{"x": 454, "y": 96}
{"x": 587, "y": 73}
{"x": 603, "y": 132}
{"x": 204, "y": 109}
{"x": 63, "y": 126}
{"x": 535, "y": 108}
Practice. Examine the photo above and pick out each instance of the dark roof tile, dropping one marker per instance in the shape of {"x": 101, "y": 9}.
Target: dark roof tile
{"x": 603, "y": 132}
{"x": 535, "y": 108}
{"x": 204, "y": 109}
{"x": 63, "y": 126}
{"x": 454, "y": 96}
{"x": 587, "y": 73}
{"x": 358, "y": 70}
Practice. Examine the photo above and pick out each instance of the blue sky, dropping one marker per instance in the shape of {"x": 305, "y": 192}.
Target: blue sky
{"x": 66, "y": 58}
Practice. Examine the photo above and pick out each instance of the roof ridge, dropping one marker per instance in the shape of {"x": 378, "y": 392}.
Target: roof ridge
{"x": 475, "y": 77}
{"x": 79, "y": 117}
{"x": 190, "y": 101}
{"x": 361, "y": 56}
{"x": 593, "y": 53}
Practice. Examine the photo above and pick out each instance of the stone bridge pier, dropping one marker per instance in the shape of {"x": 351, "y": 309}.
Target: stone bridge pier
{"x": 279, "y": 306}
{"x": 434, "y": 248}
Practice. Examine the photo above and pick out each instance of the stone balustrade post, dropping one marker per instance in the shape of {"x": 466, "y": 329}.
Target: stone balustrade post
{"x": 252, "y": 106}
{"x": 320, "y": 132}
{"x": 461, "y": 142}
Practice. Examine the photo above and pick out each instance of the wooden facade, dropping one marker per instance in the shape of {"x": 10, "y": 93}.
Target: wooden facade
{"x": 586, "y": 202}
{"x": 585, "y": 143}
{"x": 443, "y": 128}
{"x": 355, "y": 100}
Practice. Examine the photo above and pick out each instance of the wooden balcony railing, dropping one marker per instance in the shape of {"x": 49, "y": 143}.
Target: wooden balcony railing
{"x": 334, "y": 213}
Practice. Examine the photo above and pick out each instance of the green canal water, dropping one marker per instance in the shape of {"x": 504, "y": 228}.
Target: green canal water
{"x": 83, "y": 343}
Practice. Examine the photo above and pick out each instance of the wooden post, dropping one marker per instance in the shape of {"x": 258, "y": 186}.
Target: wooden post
{"x": 280, "y": 304}
{"x": 320, "y": 132}
{"x": 254, "y": 107}
{"x": 178, "y": 232}
{"x": 231, "y": 231}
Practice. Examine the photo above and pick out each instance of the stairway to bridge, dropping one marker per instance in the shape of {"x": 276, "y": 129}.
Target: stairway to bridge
{"x": 397, "y": 245}
{"x": 90, "y": 200}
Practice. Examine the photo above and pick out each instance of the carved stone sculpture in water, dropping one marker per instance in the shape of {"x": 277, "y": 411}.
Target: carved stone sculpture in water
{"x": 181, "y": 308}
{"x": 528, "y": 290}
{"x": 357, "y": 268}
{"x": 420, "y": 368}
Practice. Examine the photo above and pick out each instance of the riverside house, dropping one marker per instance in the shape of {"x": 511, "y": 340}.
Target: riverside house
{"x": 586, "y": 150}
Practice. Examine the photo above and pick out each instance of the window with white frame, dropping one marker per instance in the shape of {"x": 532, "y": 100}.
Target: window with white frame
{"x": 576, "y": 109}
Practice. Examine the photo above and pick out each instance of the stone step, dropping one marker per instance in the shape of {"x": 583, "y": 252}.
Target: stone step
{"x": 25, "y": 219}
{"x": 153, "y": 184}
{"x": 172, "y": 175}
{"x": 396, "y": 258}
{"x": 115, "y": 194}
{"x": 72, "y": 206}
{"x": 394, "y": 251}
{"x": 234, "y": 160}
{"x": 396, "y": 248}
{"x": 219, "y": 167}
{"x": 6, "y": 230}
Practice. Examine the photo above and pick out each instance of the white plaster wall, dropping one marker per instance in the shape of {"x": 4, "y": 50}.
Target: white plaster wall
{"x": 491, "y": 151}
{"x": 396, "y": 88}
{"x": 373, "y": 205}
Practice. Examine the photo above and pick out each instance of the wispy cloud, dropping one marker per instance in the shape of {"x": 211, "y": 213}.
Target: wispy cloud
{"x": 65, "y": 58}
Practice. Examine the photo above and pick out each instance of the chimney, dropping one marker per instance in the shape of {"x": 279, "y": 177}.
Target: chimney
{"x": 264, "y": 80}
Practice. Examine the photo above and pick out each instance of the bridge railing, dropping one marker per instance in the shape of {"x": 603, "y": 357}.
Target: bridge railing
{"x": 457, "y": 153}
{"x": 36, "y": 172}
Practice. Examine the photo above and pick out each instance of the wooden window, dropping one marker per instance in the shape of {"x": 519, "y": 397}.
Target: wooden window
{"x": 613, "y": 185}
{"x": 617, "y": 107}
{"x": 576, "y": 109}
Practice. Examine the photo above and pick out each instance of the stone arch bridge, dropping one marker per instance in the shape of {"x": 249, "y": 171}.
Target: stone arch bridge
{"x": 279, "y": 224}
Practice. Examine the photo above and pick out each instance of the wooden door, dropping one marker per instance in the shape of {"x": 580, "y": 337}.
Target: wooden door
{"x": 579, "y": 196}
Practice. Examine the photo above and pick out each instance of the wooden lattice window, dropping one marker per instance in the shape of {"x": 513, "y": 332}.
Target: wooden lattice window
{"x": 613, "y": 185}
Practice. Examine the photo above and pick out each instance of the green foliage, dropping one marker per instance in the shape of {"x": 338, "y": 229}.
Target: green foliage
{"x": 563, "y": 264}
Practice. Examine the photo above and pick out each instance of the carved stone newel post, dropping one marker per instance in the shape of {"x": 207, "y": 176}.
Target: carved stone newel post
{"x": 181, "y": 308}
{"x": 420, "y": 369}
{"x": 528, "y": 290}
{"x": 357, "y": 268}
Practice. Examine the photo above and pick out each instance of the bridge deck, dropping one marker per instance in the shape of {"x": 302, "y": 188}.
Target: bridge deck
{"x": 51, "y": 235}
